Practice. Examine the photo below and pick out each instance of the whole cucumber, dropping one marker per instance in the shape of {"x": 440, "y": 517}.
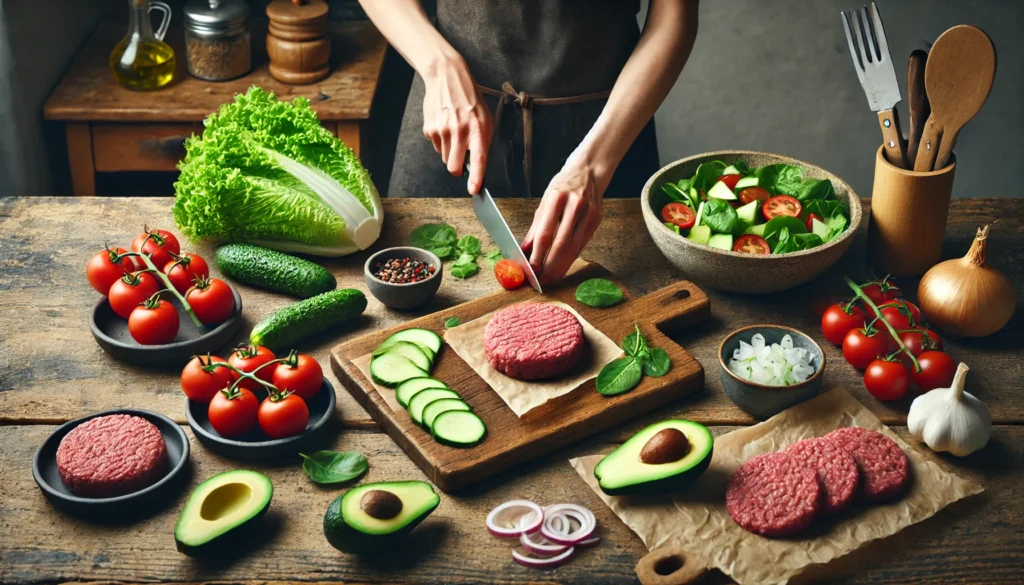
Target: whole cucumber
{"x": 274, "y": 270}
{"x": 315, "y": 315}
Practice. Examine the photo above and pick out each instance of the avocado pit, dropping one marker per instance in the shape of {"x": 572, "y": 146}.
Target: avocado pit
{"x": 666, "y": 446}
{"x": 381, "y": 504}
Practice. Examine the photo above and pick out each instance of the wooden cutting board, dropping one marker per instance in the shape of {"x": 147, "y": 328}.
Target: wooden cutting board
{"x": 512, "y": 440}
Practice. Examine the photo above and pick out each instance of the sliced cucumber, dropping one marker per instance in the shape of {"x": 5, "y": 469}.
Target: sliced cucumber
{"x": 731, "y": 170}
{"x": 722, "y": 191}
{"x": 406, "y": 390}
{"x": 412, "y": 351}
{"x": 745, "y": 182}
{"x": 420, "y": 336}
{"x": 748, "y": 212}
{"x": 391, "y": 369}
{"x": 458, "y": 428}
{"x": 756, "y": 229}
{"x": 432, "y": 410}
{"x": 818, "y": 228}
{"x": 420, "y": 401}
{"x": 700, "y": 234}
{"x": 426, "y": 350}
{"x": 700, "y": 213}
{"x": 721, "y": 241}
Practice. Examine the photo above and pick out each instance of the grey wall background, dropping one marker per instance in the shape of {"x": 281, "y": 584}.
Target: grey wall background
{"x": 769, "y": 75}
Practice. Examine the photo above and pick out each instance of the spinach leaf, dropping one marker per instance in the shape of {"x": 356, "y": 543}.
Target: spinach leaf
{"x": 720, "y": 216}
{"x": 469, "y": 245}
{"x": 657, "y": 363}
{"x": 742, "y": 167}
{"x": 493, "y": 255}
{"x": 634, "y": 344}
{"x": 780, "y": 179}
{"x": 836, "y": 225}
{"x": 465, "y": 258}
{"x": 675, "y": 193}
{"x": 452, "y": 322}
{"x": 673, "y": 227}
{"x": 439, "y": 238}
{"x": 618, "y": 376}
{"x": 777, "y": 224}
{"x": 706, "y": 175}
{"x": 329, "y": 467}
{"x": 784, "y": 243}
{"x": 823, "y": 208}
{"x": 815, "y": 189}
{"x": 598, "y": 292}
{"x": 465, "y": 270}
{"x": 684, "y": 185}
{"x": 807, "y": 241}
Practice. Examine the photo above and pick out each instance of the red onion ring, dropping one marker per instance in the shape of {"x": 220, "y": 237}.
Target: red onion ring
{"x": 539, "y": 546}
{"x": 519, "y": 525}
{"x": 543, "y": 563}
{"x": 593, "y": 541}
{"x": 563, "y": 535}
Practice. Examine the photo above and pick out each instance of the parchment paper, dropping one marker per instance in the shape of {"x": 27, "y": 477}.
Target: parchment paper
{"x": 467, "y": 340}
{"x": 697, "y": 519}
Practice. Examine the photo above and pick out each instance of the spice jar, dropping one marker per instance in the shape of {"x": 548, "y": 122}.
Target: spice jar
{"x": 297, "y": 41}
{"x": 217, "y": 39}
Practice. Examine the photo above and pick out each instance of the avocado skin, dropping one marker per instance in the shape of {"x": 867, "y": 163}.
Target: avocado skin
{"x": 227, "y": 540}
{"x": 273, "y": 270}
{"x": 347, "y": 539}
{"x": 222, "y": 542}
{"x": 309, "y": 317}
{"x": 672, "y": 483}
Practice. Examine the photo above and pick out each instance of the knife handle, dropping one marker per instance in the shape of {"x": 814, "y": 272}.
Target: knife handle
{"x": 929, "y": 147}
{"x": 894, "y": 145}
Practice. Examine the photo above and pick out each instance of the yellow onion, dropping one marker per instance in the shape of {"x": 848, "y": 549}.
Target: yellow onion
{"x": 965, "y": 296}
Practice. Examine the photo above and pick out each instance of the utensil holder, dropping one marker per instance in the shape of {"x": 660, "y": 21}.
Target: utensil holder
{"x": 908, "y": 217}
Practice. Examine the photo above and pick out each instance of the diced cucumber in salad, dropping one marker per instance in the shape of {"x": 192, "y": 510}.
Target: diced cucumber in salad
{"x": 769, "y": 210}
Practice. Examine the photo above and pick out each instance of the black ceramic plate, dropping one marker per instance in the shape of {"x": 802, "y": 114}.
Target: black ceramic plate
{"x": 256, "y": 445}
{"x": 44, "y": 470}
{"x": 111, "y": 332}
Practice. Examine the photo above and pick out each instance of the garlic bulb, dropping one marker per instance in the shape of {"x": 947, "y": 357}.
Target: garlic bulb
{"x": 949, "y": 419}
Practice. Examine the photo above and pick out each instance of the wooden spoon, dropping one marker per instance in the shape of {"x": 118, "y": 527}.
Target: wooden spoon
{"x": 958, "y": 77}
{"x": 917, "y": 101}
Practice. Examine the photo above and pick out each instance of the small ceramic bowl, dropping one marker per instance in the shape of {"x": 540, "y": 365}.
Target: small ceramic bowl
{"x": 732, "y": 271}
{"x": 409, "y": 295}
{"x": 760, "y": 400}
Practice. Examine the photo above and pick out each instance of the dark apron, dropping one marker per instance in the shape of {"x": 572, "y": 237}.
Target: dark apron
{"x": 545, "y": 68}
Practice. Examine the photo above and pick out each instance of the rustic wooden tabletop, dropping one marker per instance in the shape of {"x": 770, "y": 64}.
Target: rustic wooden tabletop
{"x": 51, "y": 371}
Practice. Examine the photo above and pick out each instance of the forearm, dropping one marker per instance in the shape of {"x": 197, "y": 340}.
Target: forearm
{"x": 405, "y": 25}
{"x": 649, "y": 74}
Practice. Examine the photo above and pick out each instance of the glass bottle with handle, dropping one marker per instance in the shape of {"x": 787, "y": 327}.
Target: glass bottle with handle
{"x": 142, "y": 60}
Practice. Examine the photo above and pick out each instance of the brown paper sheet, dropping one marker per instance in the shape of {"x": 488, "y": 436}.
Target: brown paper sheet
{"x": 467, "y": 340}
{"x": 697, "y": 521}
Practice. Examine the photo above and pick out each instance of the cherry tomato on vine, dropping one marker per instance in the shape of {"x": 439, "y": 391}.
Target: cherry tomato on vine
{"x": 781, "y": 205}
{"x": 902, "y": 307}
{"x": 863, "y": 346}
{"x": 211, "y": 300}
{"x": 102, "y": 271}
{"x": 200, "y": 385}
{"x": 130, "y": 291}
{"x": 730, "y": 180}
{"x": 679, "y": 215}
{"x": 937, "y": 370}
{"x": 233, "y": 413}
{"x": 154, "y": 322}
{"x": 840, "y": 319}
{"x": 754, "y": 194}
{"x": 303, "y": 379}
{"x": 249, "y": 357}
{"x": 881, "y": 292}
{"x": 886, "y": 380}
{"x": 183, "y": 272}
{"x": 918, "y": 342}
{"x": 283, "y": 415}
{"x": 157, "y": 251}
{"x": 509, "y": 274}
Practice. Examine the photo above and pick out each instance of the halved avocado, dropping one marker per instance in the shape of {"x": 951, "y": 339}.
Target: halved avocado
{"x": 666, "y": 456}
{"x": 374, "y": 516}
{"x": 224, "y": 504}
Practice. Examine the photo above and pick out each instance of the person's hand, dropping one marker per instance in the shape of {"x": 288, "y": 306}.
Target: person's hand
{"x": 568, "y": 215}
{"x": 456, "y": 120}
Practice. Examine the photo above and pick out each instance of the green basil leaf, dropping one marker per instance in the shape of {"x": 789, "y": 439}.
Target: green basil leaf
{"x": 469, "y": 245}
{"x": 598, "y": 292}
{"x": 493, "y": 255}
{"x": 465, "y": 270}
{"x": 329, "y": 467}
{"x": 657, "y": 363}
{"x": 452, "y": 322}
{"x": 618, "y": 376}
{"x": 465, "y": 258}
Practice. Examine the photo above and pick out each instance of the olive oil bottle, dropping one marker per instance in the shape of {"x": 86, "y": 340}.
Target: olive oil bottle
{"x": 142, "y": 60}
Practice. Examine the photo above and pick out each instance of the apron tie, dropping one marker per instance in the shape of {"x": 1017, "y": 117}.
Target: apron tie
{"x": 525, "y": 102}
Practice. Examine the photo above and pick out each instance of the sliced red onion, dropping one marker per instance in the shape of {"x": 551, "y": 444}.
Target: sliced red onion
{"x": 537, "y": 545}
{"x": 543, "y": 562}
{"x": 515, "y": 513}
{"x": 563, "y": 534}
{"x": 593, "y": 541}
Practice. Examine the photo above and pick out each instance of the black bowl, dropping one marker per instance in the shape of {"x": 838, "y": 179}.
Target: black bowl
{"x": 111, "y": 332}
{"x": 256, "y": 445}
{"x": 128, "y": 506}
{"x": 409, "y": 295}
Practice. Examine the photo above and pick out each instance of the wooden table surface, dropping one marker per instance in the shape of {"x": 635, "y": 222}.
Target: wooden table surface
{"x": 51, "y": 371}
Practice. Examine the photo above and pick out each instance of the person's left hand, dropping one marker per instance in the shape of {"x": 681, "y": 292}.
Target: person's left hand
{"x": 568, "y": 215}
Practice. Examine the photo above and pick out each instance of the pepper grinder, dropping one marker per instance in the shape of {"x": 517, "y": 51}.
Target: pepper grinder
{"x": 297, "y": 41}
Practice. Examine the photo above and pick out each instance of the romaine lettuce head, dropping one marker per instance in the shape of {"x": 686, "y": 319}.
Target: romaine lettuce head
{"x": 265, "y": 171}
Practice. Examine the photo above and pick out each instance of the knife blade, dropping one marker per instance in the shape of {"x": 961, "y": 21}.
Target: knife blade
{"x": 489, "y": 215}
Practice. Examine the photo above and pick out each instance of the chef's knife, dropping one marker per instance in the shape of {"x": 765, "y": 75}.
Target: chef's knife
{"x": 489, "y": 215}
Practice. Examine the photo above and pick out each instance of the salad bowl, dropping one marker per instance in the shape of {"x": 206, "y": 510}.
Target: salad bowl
{"x": 731, "y": 271}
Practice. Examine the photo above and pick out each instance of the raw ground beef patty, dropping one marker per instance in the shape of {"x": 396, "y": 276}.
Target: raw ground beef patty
{"x": 533, "y": 341}
{"x": 111, "y": 456}
{"x": 883, "y": 466}
{"x": 836, "y": 469}
{"x": 773, "y": 495}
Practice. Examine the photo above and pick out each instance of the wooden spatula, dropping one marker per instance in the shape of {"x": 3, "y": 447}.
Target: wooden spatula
{"x": 958, "y": 78}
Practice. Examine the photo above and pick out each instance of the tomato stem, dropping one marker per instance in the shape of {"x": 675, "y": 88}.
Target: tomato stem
{"x": 250, "y": 375}
{"x": 867, "y": 301}
{"x": 150, "y": 267}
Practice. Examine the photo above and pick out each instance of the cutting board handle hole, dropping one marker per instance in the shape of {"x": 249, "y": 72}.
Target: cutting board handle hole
{"x": 668, "y": 565}
{"x": 679, "y": 295}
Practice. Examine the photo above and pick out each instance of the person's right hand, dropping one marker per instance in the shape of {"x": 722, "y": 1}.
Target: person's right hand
{"x": 456, "y": 119}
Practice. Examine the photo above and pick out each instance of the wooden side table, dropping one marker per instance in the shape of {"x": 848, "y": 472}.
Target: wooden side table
{"x": 111, "y": 128}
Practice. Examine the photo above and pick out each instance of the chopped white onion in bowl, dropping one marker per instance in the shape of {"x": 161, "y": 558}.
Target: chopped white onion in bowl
{"x": 778, "y": 364}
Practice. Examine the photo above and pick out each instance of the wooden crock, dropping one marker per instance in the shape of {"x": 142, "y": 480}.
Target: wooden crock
{"x": 297, "y": 41}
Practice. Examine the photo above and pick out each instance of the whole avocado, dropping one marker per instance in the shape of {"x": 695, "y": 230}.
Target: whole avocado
{"x": 309, "y": 317}
{"x": 273, "y": 270}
